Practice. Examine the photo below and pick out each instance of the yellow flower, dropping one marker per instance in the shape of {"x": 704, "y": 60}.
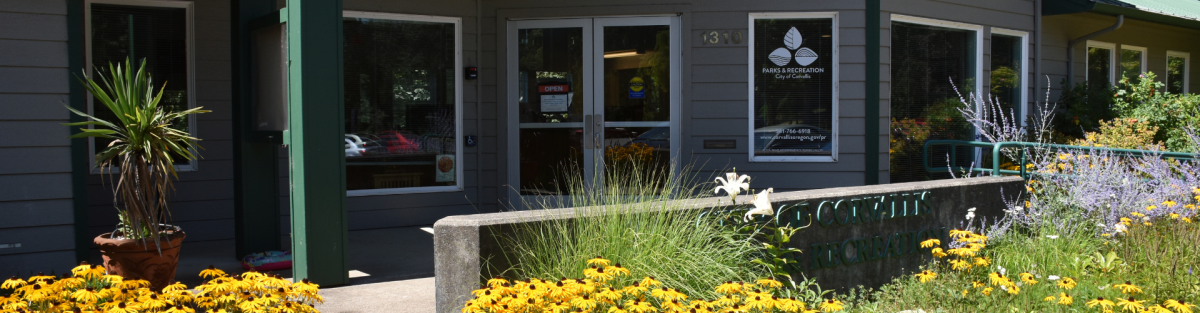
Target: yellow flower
{"x": 959, "y": 265}
{"x": 1100, "y": 301}
{"x": 1169, "y": 203}
{"x": 937, "y": 253}
{"x": 1179, "y": 306}
{"x": 665, "y": 294}
{"x": 1186, "y": 220}
{"x": 926, "y": 276}
{"x": 1137, "y": 214}
{"x": 986, "y": 291}
{"x": 770, "y": 283}
{"x": 982, "y": 262}
{"x": 1048, "y": 299}
{"x": 930, "y": 243}
{"x": 12, "y": 283}
{"x": 598, "y": 274}
{"x": 958, "y": 233}
{"x": 1130, "y": 304}
{"x": 995, "y": 278}
{"x": 1151, "y": 208}
{"x": 211, "y": 272}
{"x": 831, "y": 305}
{"x": 1148, "y": 223}
{"x": 1027, "y": 278}
{"x": 966, "y": 292}
{"x": 1066, "y": 283}
{"x": 962, "y": 252}
{"x": 598, "y": 262}
{"x": 1126, "y": 221}
{"x": 1128, "y": 288}
{"x": 618, "y": 270}
{"x": 1065, "y": 299}
{"x": 977, "y": 284}
{"x": 1011, "y": 289}
{"x": 86, "y": 295}
{"x": 729, "y": 288}
{"x": 1157, "y": 309}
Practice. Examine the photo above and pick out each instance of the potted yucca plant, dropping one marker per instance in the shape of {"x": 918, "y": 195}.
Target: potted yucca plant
{"x": 142, "y": 153}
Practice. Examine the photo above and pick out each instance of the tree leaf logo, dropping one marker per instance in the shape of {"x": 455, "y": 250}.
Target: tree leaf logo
{"x": 792, "y": 41}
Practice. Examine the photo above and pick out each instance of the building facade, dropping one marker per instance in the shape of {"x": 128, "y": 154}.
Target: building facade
{"x": 334, "y": 116}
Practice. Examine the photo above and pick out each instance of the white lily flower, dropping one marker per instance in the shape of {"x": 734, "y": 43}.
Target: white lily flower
{"x": 733, "y": 184}
{"x": 1052, "y": 236}
{"x": 1120, "y": 228}
{"x": 1053, "y": 277}
{"x": 762, "y": 205}
{"x": 1002, "y": 270}
{"x": 970, "y": 213}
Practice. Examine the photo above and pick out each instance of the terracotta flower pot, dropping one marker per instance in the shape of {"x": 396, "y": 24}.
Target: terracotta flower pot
{"x": 135, "y": 259}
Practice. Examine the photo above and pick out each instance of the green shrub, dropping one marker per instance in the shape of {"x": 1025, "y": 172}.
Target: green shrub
{"x": 1124, "y": 133}
{"x": 1086, "y": 105}
{"x": 1145, "y": 99}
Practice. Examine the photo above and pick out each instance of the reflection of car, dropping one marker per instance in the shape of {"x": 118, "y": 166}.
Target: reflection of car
{"x": 657, "y": 138}
{"x": 797, "y": 137}
{"x": 400, "y": 143}
{"x": 354, "y": 146}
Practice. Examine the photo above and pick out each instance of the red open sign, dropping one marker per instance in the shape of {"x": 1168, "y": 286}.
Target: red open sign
{"x": 564, "y": 88}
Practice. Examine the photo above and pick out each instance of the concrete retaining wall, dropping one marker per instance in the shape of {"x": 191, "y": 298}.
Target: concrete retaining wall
{"x": 863, "y": 235}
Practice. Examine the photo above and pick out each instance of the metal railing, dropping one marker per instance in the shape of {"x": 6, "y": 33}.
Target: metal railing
{"x": 1022, "y": 161}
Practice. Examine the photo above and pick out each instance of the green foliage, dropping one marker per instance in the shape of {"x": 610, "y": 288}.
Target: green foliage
{"x": 1086, "y": 105}
{"x": 641, "y": 217}
{"x": 776, "y": 255}
{"x": 144, "y": 145}
{"x": 1124, "y": 133}
{"x": 1145, "y": 99}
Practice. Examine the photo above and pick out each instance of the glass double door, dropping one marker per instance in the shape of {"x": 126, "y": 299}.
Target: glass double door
{"x": 590, "y": 97}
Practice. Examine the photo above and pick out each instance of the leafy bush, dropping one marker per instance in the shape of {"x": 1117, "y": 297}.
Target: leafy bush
{"x": 1147, "y": 100}
{"x": 1124, "y": 133}
{"x": 90, "y": 289}
{"x": 1086, "y": 105}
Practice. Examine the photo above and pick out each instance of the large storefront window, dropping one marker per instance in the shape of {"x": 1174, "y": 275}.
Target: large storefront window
{"x": 154, "y": 32}
{"x": 402, "y": 94}
{"x": 793, "y": 64}
{"x": 930, "y": 59}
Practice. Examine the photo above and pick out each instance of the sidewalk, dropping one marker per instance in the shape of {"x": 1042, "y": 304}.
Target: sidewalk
{"x": 413, "y": 295}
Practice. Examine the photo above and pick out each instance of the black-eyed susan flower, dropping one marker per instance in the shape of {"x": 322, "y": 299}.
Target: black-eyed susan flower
{"x": 211, "y": 272}
{"x": 584, "y": 303}
{"x": 1049, "y": 299}
{"x": 1012, "y": 289}
{"x": 926, "y": 276}
{"x": 598, "y": 262}
{"x": 13, "y": 283}
{"x": 769, "y": 283}
{"x": 996, "y": 278}
{"x": 1065, "y": 299}
{"x": 1179, "y": 306}
{"x": 1028, "y": 278}
{"x": 959, "y": 265}
{"x": 1066, "y": 283}
{"x": 962, "y": 252}
{"x": 1157, "y": 309}
{"x": 1130, "y": 304}
{"x": 986, "y": 291}
{"x": 937, "y": 253}
{"x": 1102, "y": 302}
{"x": 831, "y": 305}
{"x": 982, "y": 262}
{"x": 666, "y": 294}
{"x": 1128, "y": 288}
{"x": 729, "y": 288}
{"x": 931, "y": 243}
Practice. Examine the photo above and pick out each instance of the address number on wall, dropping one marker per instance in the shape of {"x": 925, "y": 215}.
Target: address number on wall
{"x": 718, "y": 37}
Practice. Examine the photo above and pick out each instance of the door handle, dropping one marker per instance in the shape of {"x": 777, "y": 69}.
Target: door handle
{"x": 599, "y": 128}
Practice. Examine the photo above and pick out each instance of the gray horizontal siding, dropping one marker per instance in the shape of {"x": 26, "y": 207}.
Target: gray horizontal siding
{"x": 35, "y": 177}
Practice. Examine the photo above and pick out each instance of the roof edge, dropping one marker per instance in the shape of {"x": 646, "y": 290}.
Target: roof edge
{"x": 1148, "y": 16}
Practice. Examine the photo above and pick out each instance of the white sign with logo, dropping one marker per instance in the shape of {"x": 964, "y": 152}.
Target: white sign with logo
{"x": 793, "y": 84}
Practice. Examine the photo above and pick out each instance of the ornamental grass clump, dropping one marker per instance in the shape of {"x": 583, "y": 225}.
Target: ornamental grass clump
{"x": 643, "y": 217}
{"x": 607, "y": 287}
{"x": 88, "y": 288}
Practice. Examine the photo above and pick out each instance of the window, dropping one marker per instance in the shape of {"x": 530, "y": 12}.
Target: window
{"x": 933, "y": 63}
{"x": 1100, "y": 63}
{"x": 794, "y": 87}
{"x": 1177, "y": 77}
{"x": 1133, "y": 62}
{"x": 403, "y": 103}
{"x": 159, "y": 32}
{"x": 1007, "y": 81}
